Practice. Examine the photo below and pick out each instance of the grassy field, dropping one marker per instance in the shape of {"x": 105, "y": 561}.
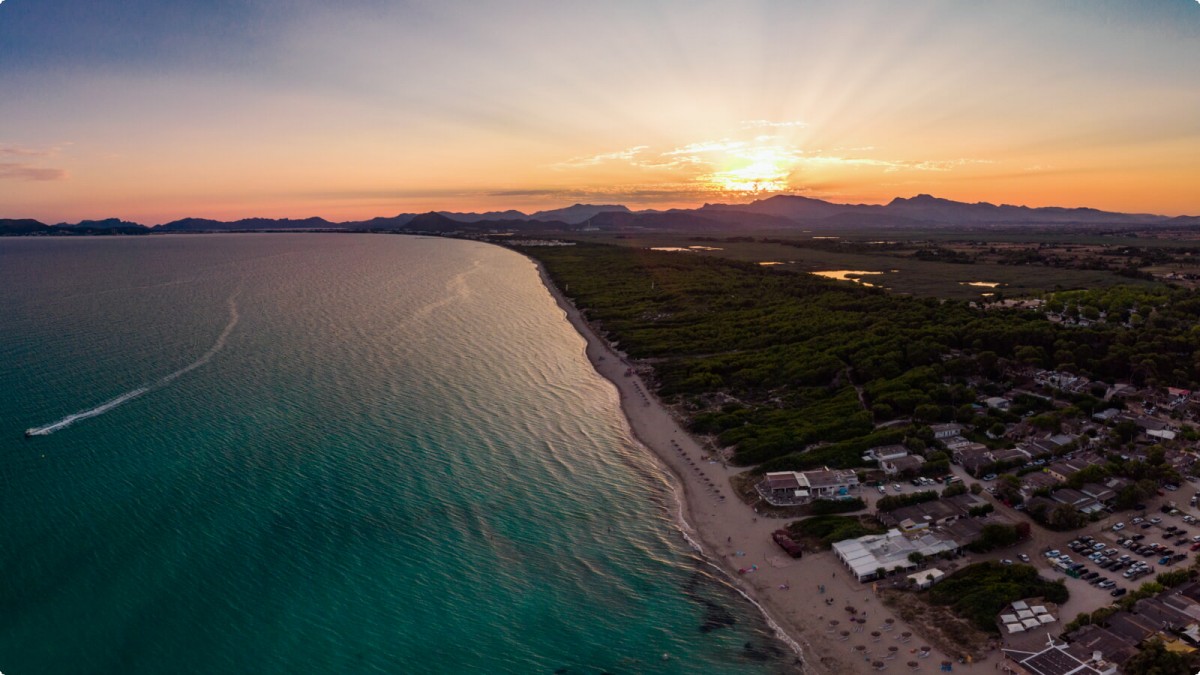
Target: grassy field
{"x": 900, "y": 273}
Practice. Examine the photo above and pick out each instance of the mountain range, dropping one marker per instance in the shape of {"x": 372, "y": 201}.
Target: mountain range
{"x": 780, "y": 212}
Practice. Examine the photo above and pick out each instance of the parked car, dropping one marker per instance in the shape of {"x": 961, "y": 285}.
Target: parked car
{"x": 882, "y": 490}
{"x": 1053, "y": 553}
{"x": 1118, "y": 592}
{"x": 1118, "y": 527}
{"x": 1006, "y": 561}
{"x": 1023, "y": 557}
{"x": 897, "y": 488}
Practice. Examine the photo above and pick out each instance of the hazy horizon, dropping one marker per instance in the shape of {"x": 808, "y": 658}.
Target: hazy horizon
{"x": 151, "y": 112}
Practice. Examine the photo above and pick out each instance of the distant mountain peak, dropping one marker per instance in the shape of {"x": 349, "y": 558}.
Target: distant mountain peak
{"x": 578, "y": 213}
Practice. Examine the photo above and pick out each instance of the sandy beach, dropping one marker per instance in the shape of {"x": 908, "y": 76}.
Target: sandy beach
{"x": 735, "y": 537}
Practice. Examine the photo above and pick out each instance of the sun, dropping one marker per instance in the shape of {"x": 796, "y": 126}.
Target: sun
{"x": 759, "y": 169}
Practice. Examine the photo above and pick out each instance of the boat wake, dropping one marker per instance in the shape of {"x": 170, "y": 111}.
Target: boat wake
{"x": 160, "y": 382}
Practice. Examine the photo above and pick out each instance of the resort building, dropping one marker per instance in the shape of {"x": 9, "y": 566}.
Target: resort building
{"x": 799, "y": 487}
{"x": 866, "y": 556}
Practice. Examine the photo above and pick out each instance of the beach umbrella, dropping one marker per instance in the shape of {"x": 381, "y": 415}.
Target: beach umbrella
{"x": 860, "y": 648}
{"x": 924, "y": 652}
{"x": 878, "y": 665}
{"x": 892, "y": 651}
{"x": 850, "y": 609}
{"x": 905, "y": 636}
{"x": 914, "y": 665}
{"x": 875, "y": 636}
{"x": 889, "y": 623}
{"x": 845, "y": 635}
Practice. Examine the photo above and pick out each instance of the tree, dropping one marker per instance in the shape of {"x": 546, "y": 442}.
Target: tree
{"x": 954, "y": 490}
{"x": 1154, "y": 659}
{"x": 916, "y": 557}
{"x": 1008, "y": 488}
{"x": 976, "y": 488}
{"x": 1065, "y": 517}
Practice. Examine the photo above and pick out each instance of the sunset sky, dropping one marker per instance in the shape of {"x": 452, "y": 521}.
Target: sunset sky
{"x": 151, "y": 110}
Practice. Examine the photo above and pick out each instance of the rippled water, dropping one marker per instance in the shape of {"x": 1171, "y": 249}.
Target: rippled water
{"x": 352, "y": 454}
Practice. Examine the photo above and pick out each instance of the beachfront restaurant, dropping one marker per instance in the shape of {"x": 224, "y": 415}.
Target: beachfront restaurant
{"x": 890, "y": 552}
{"x": 789, "y": 488}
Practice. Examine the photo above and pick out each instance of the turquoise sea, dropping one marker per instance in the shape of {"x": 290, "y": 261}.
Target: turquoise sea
{"x": 323, "y": 453}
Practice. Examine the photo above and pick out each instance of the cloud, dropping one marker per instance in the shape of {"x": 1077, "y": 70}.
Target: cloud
{"x": 626, "y": 154}
{"x": 15, "y": 151}
{"x": 703, "y": 147}
{"x": 658, "y": 192}
{"x": 28, "y": 172}
{"x": 892, "y": 165}
{"x": 760, "y": 124}
{"x": 9, "y": 150}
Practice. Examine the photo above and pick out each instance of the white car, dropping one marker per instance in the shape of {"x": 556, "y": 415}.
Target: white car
{"x": 1023, "y": 557}
{"x": 1118, "y": 527}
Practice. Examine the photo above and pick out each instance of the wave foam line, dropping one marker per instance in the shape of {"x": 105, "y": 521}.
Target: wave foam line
{"x": 161, "y": 382}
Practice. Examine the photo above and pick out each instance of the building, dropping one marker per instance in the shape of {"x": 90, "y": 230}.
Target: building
{"x": 1037, "y": 480}
{"x": 1056, "y": 660}
{"x": 944, "y": 431}
{"x": 885, "y": 452}
{"x": 926, "y": 578}
{"x": 1075, "y": 498}
{"x": 789, "y": 488}
{"x": 932, "y": 513}
{"x": 781, "y": 484}
{"x": 1010, "y": 455}
{"x": 908, "y": 464}
{"x": 997, "y": 403}
{"x": 828, "y": 483}
{"x": 866, "y": 556}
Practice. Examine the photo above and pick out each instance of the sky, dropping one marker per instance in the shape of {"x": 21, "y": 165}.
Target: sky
{"x": 151, "y": 111}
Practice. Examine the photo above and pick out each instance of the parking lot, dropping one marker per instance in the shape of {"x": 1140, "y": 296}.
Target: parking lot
{"x": 1137, "y": 547}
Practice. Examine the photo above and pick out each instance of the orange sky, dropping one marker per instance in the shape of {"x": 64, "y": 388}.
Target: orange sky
{"x": 373, "y": 108}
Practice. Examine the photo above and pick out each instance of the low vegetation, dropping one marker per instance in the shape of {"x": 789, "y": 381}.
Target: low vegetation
{"x": 822, "y": 531}
{"x": 978, "y": 592}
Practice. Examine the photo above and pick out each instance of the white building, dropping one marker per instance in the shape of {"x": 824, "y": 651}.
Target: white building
{"x": 890, "y": 552}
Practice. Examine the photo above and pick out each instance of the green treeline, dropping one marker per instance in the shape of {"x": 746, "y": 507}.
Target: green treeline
{"x": 769, "y": 360}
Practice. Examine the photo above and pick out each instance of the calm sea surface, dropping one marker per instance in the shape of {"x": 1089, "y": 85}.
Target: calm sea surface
{"x": 315, "y": 453}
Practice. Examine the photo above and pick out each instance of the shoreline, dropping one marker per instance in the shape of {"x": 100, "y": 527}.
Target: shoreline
{"x": 732, "y": 536}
